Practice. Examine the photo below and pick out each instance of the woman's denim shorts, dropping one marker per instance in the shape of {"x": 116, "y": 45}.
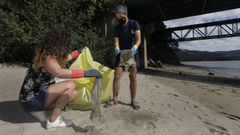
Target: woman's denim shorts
{"x": 38, "y": 102}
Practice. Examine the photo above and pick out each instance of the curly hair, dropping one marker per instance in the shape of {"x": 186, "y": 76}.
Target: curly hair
{"x": 56, "y": 43}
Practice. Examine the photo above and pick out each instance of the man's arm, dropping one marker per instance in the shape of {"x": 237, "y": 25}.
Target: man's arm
{"x": 138, "y": 38}
{"x": 116, "y": 45}
{"x": 137, "y": 43}
{"x": 116, "y": 42}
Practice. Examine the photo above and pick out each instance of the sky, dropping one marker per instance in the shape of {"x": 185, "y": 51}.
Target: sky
{"x": 225, "y": 44}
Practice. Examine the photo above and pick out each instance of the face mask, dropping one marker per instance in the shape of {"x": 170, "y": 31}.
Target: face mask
{"x": 122, "y": 20}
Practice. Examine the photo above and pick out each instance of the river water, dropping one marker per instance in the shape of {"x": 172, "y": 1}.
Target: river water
{"x": 230, "y": 68}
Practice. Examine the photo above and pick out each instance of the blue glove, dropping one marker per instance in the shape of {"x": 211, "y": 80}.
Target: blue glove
{"x": 134, "y": 49}
{"x": 117, "y": 51}
{"x": 92, "y": 73}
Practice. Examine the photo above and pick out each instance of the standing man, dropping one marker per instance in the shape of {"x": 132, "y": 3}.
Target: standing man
{"x": 127, "y": 35}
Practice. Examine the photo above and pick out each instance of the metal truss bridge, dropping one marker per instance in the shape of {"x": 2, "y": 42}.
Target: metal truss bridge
{"x": 211, "y": 30}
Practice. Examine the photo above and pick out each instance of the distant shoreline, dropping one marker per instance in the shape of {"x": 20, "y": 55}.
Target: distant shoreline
{"x": 224, "y": 68}
{"x": 188, "y": 55}
{"x": 208, "y": 60}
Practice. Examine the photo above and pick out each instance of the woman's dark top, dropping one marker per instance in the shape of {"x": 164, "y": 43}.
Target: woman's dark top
{"x": 34, "y": 82}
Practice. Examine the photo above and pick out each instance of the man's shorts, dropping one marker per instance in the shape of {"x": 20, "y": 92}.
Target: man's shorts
{"x": 120, "y": 61}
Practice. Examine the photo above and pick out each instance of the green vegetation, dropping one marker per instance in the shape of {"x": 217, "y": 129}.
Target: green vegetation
{"x": 24, "y": 22}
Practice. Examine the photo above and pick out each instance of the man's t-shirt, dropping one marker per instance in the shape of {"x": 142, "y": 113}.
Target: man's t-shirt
{"x": 126, "y": 34}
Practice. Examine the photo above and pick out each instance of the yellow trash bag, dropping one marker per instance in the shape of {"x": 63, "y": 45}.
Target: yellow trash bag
{"x": 84, "y": 86}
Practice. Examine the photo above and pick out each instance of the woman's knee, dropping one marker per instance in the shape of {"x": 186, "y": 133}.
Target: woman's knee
{"x": 71, "y": 94}
{"x": 69, "y": 89}
{"x": 70, "y": 85}
{"x": 74, "y": 95}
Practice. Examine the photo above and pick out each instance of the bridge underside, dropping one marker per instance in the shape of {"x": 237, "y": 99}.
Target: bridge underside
{"x": 147, "y": 11}
{"x": 152, "y": 13}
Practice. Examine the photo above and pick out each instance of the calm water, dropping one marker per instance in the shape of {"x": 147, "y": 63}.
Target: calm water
{"x": 231, "y": 68}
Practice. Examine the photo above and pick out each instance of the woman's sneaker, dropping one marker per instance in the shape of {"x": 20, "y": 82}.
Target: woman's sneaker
{"x": 58, "y": 123}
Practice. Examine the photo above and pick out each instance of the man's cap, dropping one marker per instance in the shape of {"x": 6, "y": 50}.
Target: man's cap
{"x": 120, "y": 9}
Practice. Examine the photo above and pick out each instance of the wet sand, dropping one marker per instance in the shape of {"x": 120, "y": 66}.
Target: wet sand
{"x": 171, "y": 103}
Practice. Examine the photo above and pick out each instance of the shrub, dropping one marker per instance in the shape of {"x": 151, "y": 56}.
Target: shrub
{"x": 24, "y": 22}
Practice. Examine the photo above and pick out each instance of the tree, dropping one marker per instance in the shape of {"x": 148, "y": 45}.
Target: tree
{"x": 24, "y": 22}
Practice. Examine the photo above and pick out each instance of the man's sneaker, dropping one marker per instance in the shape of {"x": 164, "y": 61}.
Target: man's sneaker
{"x": 59, "y": 122}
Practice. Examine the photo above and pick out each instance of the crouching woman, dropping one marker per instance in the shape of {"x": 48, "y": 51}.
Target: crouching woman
{"x": 39, "y": 90}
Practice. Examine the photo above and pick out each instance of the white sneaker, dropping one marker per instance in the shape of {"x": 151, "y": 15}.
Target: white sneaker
{"x": 58, "y": 123}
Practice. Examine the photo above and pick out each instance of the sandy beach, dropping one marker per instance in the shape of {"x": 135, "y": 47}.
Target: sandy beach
{"x": 174, "y": 101}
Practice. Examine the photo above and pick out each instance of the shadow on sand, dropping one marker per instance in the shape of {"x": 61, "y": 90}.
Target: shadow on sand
{"x": 197, "y": 78}
{"x": 12, "y": 111}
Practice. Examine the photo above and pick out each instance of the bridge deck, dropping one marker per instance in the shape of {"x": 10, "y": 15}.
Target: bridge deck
{"x": 147, "y": 11}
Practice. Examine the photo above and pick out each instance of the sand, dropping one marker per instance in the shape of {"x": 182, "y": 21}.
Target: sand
{"x": 171, "y": 104}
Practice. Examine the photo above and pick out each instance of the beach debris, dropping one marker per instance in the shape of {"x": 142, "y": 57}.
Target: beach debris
{"x": 127, "y": 59}
{"x": 231, "y": 116}
{"x": 211, "y": 74}
{"x": 216, "y": 129}
{"x": 96, "y": 92}
{"x": 107, "y": 104}
{"x": 158, "y": 64}
{"x": 82, "y": 129}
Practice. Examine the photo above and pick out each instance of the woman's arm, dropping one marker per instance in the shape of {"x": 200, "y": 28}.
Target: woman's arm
{"x": 55, "y": 69}
{"x": 74, "y": 54}
{"x": 69, "y": 57}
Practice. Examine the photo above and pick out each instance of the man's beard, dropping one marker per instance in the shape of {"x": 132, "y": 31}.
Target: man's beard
{"x": 122, "y": 21}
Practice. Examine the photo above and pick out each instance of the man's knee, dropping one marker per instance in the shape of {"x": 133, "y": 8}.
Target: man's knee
{"x": 117, "y": 77}
{"x": 133, "y": 76}
{"x": 117, "y": 74}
